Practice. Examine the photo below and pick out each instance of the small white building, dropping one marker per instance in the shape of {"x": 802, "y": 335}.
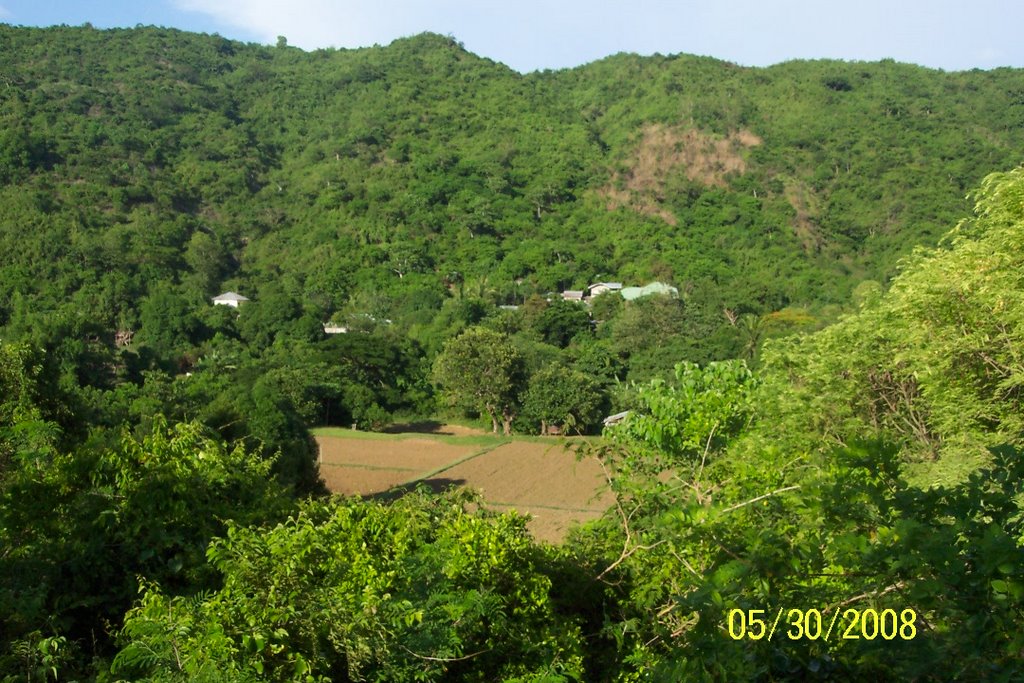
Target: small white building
{"x": 602, "y": 287}
{"x": 232, "y": 299}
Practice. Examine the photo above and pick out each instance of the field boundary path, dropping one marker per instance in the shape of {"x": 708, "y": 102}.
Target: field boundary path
{"x": 456, "y": 463}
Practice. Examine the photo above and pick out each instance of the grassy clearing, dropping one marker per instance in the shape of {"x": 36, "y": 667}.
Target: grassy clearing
{"x": 360, "y": 466}
{"x": 455, "y": 440}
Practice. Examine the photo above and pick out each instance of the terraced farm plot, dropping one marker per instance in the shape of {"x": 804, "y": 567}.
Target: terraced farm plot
{"x": 542, "y": 480}
{"x": 365, "y": 467}
{"x": 538, "y": 478}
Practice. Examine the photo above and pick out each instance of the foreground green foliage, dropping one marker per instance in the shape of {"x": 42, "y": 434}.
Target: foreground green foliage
{"x": 80, "y": 529}
{"x": 692, "y": 418}
{"x": 832, "y": 533}
{"x": 935, "y": 365}
{"x": 418, "y": 590}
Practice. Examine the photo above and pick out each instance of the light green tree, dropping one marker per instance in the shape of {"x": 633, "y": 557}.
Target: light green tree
{"x": 935, "y": 364}
{"x": 686, "y": 420}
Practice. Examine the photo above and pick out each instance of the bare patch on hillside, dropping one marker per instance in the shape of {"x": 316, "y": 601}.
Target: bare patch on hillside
{"x": 705, "y": 158}
{"x": 805, "y": 204}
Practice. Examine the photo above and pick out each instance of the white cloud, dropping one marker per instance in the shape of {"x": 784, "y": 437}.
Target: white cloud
{"x": 323, "y": 23}
{"x": 530, "y": 34}
{"x": 5, "y": 13}
{"x": 526, "y": 34}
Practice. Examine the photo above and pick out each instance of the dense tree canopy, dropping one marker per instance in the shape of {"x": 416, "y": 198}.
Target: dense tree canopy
{"x": 146, "y": 170}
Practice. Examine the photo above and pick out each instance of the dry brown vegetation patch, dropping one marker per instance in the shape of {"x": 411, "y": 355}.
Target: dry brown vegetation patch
{"x": 705, "y": 158}
{"x": 805, "y": 204}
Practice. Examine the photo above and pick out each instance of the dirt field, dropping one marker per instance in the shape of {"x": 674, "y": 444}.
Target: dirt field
{"x": 544, "y": 481}
{"x": 538, "y": 474}
{"x": 361, "y": 481}
{"x": 420, "y": 454}
{"x": 364, "y": 467}
{"x": 536, "y": 478}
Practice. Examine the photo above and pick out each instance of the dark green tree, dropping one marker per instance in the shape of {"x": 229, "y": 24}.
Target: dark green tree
{"x": 167, "y": 325}
{"x": 562, "y": 320}
{"x": 482, "y": 370}
{"x": 562, "y": 401}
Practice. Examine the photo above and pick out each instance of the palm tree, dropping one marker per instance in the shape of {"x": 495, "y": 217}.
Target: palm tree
{"x": 751, "y": 328}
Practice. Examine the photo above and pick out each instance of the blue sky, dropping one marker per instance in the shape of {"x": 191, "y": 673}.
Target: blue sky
{"x": 538, "y": 34}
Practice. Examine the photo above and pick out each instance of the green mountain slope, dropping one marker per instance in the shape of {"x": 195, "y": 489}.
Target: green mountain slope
{"x": 133, "y": 161}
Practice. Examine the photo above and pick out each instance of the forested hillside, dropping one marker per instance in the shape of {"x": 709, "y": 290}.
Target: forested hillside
{"x": 148, "y": 162}
{"x": 144, "y": 171}
{"x": 825, "y": 414}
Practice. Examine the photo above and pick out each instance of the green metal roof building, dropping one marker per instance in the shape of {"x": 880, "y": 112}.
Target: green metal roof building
{"x": 631, "y": 293}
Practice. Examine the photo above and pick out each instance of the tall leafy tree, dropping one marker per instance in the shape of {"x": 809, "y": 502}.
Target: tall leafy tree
{"x": 482, "y": 370}
{"x": 564, "y": 399}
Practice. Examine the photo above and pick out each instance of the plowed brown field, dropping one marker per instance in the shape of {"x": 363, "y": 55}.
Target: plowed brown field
{"x": 364, "y": 467}
{"x": 420, "y": 454}
{"x": 525, "y": 473}
{"x": 362, "y": 481}
{"x": 536, "y": 478}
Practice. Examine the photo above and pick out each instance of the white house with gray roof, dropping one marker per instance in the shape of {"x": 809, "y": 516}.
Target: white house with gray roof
{"x": 232, "y": 299}
{"x": 602, "y": 287}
